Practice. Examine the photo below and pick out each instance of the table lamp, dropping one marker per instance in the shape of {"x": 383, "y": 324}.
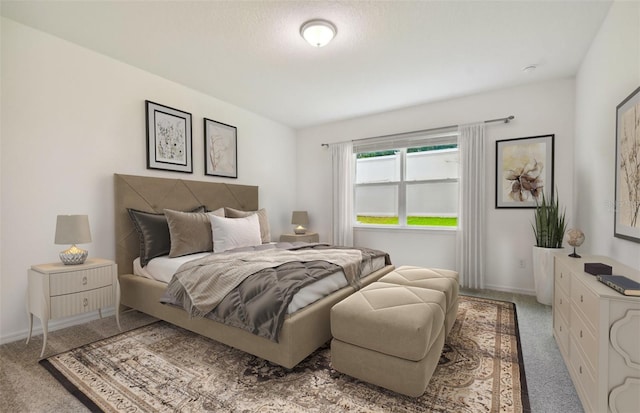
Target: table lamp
{"x": 73, "y": 229}
{"x": 300, "y": 218}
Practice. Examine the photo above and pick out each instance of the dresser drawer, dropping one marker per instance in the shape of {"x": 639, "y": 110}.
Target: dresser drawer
{"x": 585, "y": 340}
{"x": 561, "y": 329}
{"x": 561, "y": 302}
{"x": 587, "y": 303}
{"x": 563, "y": 276}
{"x": 76, "y": 281}
{"x": 583, "y": 378}
{"x": 70, "y": 304}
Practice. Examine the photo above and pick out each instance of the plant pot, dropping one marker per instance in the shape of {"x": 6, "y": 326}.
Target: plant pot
{"x": 543, "y": 270}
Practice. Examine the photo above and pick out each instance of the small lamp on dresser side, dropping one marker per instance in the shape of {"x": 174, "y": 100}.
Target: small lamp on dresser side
{"x": 73, "y": 229}
{"x": 300, "y": 219}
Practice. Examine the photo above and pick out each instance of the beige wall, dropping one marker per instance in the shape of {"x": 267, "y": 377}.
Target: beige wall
{"x": 540, "y": 108}
{"x": 70, "y": 119}
{"x": 609, "y": 73}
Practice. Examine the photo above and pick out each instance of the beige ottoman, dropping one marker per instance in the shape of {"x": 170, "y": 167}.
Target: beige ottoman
{"x": 389, "y": 335}
{"x": 434, "y": 279}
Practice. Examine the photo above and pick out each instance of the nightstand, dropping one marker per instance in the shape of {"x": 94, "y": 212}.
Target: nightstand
{"x": 57, "y": 290}
{"x": 306, "y": 237}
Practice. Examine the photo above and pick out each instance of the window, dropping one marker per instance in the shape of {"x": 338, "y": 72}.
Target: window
{"x": 408, "y": 186}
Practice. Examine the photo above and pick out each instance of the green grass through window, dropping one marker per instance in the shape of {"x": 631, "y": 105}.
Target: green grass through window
{"x": 411, "y": 220}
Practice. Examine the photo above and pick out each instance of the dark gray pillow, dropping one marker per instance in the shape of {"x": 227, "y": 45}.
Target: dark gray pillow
{"x": 153, "y": 232}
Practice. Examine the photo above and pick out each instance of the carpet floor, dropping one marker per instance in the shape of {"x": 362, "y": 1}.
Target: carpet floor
{"x": 161, "y": 367}
{"x": 27, "y": 387}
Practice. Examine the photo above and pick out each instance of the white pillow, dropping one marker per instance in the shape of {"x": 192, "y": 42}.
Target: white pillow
{"x": 230, "y": 233}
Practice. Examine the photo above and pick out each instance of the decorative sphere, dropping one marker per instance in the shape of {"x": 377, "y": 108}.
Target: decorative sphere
{"x": 575, "y": 237}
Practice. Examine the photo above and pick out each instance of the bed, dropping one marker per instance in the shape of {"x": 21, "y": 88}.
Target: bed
{"x": 302, "y": 332}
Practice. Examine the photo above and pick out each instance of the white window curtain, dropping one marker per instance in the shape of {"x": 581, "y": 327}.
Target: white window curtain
{"x": 343, "y": 161}
{"x": 470, "y": 241}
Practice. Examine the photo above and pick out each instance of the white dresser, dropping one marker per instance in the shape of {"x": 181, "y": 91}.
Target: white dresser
{"x": 57, "y": 290}
{"x": 598, "y": 332}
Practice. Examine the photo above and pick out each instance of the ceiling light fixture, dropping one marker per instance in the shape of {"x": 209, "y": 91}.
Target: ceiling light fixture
{"x": 318, "y": 32}
{"x": 529, "y": 68}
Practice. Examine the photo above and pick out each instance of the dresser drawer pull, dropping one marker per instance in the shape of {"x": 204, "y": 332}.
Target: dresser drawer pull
{"x": 580, "y": 368}
{"x": 581, "y": 298}
{"x": 84, "y": 280}
{"x": 560, "y": 275}
{"x": 561, "y": 301}
{"x": 561, "y": 328}
{"x": 85, "y": 302}
{"x": 580, "y": 333}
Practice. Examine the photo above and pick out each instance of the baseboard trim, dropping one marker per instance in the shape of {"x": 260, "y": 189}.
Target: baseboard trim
{"x": 56, "y": 325}
{"x": 509, "y": 290}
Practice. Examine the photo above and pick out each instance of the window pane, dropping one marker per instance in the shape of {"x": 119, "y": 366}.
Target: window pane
{"x": 432, "y": 164}
{"x": 432, "y": 204}
{"x": 377, "y": 204}
{"x": 378, "y": 167}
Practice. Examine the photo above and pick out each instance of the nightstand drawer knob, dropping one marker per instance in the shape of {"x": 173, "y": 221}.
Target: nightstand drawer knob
{"x": 84, "y": 280}
{"x": 85, "y": 302}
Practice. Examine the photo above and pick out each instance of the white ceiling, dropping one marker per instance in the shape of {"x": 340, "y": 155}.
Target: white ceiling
{"x": 387, "y": 54}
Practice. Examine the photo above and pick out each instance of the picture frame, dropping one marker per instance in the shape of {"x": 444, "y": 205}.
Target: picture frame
{"x": 524, "y": 171}
{"x": 220, "y": 149}
{"x": 168, "y": 138}
{"x": 627, "y": 174}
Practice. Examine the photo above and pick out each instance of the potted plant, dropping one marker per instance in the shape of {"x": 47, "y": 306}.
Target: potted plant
{"x": 549, "y": 229}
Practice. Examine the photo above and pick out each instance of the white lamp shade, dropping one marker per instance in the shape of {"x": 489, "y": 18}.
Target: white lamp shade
{"x": 318, "y": 33}
{"x": 72, "y": 229}
{"x": 299, "y": 218}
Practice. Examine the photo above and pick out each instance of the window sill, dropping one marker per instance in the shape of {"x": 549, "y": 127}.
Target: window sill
{"x": 405, "y": 228}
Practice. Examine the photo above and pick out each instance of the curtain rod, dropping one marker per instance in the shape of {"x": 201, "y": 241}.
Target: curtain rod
{"x": 503, "y": 120}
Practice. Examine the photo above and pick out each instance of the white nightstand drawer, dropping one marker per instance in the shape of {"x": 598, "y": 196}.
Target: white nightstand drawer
{"x": 70, "y": 304}
{"x": 76, "y": 281}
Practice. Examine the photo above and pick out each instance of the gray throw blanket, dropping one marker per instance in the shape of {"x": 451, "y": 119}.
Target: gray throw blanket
{"x": 200, "y": 285}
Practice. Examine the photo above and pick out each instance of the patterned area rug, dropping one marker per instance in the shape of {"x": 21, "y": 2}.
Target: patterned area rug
{"x": 161, "y": 367}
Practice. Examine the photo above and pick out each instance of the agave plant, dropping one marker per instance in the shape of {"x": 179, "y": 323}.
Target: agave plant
{"x": 550, "y": 224}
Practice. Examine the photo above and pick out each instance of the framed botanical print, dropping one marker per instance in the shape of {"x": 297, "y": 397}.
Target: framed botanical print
{"x": 524, "y": 170}
{"x": 168, "y": 138}
{"x": 627, "y": 192}
{"x": 221, "y": 149}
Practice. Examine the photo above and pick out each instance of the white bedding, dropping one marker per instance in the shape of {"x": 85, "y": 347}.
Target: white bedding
{"x": 162, "y": 269}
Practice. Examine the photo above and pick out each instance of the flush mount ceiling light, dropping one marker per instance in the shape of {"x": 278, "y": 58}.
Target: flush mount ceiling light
{"x": 318, "y": 32}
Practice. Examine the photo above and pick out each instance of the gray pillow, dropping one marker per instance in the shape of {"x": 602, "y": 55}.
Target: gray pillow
{"x": 190, "y": 232}
{"x": 153, "y": 233}
{"x": 265, "y": 231}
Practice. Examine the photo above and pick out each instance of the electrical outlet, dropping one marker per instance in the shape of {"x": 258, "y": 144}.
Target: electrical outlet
{"x": 522, "y": 263}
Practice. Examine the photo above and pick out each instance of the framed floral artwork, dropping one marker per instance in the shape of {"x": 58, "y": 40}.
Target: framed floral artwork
{"x": 168, "y": 138}
{"x": 524, "y": 170}
{"x": 627, "y": 192}
{"x": 220, "y": 149}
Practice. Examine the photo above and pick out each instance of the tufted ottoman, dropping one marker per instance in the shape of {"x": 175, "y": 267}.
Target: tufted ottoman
{"x": 389, "y": 335}
{"x": 434, "y": 279}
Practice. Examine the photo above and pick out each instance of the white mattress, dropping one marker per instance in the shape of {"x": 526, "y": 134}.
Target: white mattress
{"x": 163, "y": 268}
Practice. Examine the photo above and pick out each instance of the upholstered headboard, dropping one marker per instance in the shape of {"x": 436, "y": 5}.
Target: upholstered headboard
{"x": 155, "y": 194}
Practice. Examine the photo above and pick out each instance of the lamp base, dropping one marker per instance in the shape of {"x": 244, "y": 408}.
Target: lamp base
{"x": 73, "y": 256}
{"x": 300, "y": 230}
